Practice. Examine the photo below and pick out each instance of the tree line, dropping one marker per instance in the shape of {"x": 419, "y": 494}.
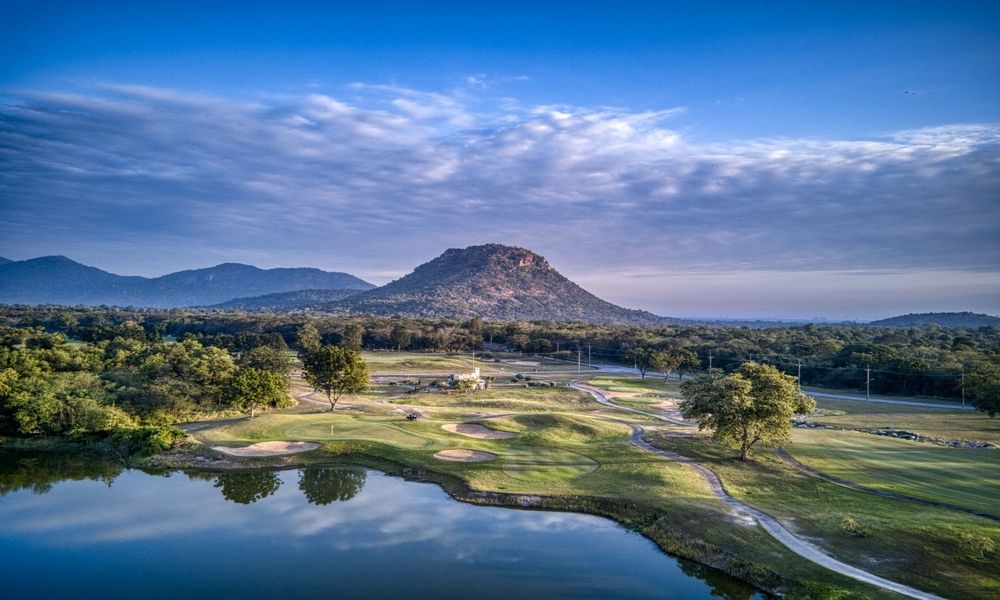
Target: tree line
{"x": 922, "y": 361}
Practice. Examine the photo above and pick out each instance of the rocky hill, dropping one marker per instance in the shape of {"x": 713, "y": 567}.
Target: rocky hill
{"x": 493, "y": 282}
{"x": 59, "y": 280}
{"x": 944, "y": 319}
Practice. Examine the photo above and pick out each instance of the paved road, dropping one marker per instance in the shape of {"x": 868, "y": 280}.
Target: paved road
{"x": 820, "y": 393}
{"x": 771, "y": 525}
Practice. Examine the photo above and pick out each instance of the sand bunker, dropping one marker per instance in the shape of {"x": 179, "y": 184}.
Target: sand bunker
{"x": 464, "y": 455}
{"x": 477, "y": 431}
{"x": 268, "y": 449}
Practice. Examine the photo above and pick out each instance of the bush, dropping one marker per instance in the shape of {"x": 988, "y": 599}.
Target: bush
{"x": 978, "y": 547}
{"x": 850, "y": 525}
{"x": 144, "y": 441}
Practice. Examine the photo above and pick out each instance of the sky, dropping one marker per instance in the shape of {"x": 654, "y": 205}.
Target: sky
{"x": 779, "y": 160}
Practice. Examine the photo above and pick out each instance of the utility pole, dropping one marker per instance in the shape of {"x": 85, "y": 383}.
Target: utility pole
{"x": 557, "y": 346}
{"x": 963, "y": 387}
{"x": 868, "y": 383}
{"x": 579, "y": 355}
{"x": 800, "y": 374}
{"x": 588, "y": 355}
{"x": 709, "y": 360}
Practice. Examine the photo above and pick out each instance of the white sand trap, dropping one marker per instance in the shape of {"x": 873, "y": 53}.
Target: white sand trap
{"x": 478, "y": 431}
{"x": 464, "y": 455}
{"x": 268, "y": 449}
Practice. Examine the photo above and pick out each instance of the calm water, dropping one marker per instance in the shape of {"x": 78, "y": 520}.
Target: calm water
{"x": 83, "y": 530}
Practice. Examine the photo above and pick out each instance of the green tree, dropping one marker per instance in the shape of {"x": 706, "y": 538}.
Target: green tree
{"x": 754, "y": 405}
{"x": 335, "y": 372}
{"x": 663, "y": 361}
{"x": 982, "y": 384}
{"x": 400, "y": 337}
{"x": 252, "y": 389}
{"x": 308, "y": 340}
{"x": 268, "y": 359}
{"x": 644, "y": 359}
{"x": 353, "y": 337}
{"x": 321, "y": 486}
{"x": 684, "y": 361}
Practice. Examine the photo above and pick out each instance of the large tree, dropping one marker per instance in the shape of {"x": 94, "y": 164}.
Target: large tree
{"x": 983, "y": 385}
{"x": 308, "y": 340}
{"x": 754, "y": 405}
{"x": 335, "y": 372}
{"x": 253, "y": 389}
{"x": 644, "y": 359}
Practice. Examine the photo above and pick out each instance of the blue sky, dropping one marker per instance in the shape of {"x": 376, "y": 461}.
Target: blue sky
{"x": 784, "y": 159}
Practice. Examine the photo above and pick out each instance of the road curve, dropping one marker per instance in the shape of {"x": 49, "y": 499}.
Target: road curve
{"x": 771, "y": 525}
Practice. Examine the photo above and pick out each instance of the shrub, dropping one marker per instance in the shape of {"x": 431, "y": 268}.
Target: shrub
{"x": 850, "y": 525}
{"x": 143, "y": 441}
{"x": 979, "y": 547}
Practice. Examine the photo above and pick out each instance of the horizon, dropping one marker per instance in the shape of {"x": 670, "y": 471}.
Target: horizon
{"x": 821, "y": 319}
{"x": 781, "y": 160}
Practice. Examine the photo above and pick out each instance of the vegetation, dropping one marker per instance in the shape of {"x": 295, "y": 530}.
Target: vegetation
{"x": 920, "y": 361}
{"x": 335, "y": 372}
{"x": 751, "y": 406}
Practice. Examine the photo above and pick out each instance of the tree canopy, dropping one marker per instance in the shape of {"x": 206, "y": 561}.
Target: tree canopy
{"x": 753, "y": 405}
{"x": 335, "y": 372}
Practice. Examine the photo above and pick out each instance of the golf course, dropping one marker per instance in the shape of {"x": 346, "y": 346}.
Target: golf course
{"x": 840, "y": 512}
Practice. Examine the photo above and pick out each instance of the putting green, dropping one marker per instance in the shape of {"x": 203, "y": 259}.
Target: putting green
{"x": 537, "y": 464}
{"x": 384, "y": 433}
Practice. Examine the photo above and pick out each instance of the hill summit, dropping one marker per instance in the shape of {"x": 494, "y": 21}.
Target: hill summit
{"x": 492, "y": 281}
{"x": 944, "y": 319}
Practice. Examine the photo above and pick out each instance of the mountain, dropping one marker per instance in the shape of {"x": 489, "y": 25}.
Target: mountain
{"x": 493, "y": 282}
{"x": 287, "y": 300}
{"x": 59, "y": 280}
{"x": 944, "y": 319}
{"x": 4, "y": 261}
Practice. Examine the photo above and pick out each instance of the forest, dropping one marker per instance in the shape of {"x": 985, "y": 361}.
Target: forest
{"x": 926, "y": 361}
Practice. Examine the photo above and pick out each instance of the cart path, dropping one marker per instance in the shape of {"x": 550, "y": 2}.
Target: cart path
{"x": 799, "y": 546}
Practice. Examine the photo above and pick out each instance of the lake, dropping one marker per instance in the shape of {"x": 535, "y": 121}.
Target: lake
{"x": 71, "y": 528}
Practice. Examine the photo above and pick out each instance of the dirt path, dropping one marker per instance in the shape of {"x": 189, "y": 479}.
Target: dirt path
{"x": 804, "y": 468}
{"x": 771, "y": 525}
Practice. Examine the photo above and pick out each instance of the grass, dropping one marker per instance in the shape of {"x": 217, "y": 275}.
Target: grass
{"x": 913, "y": 544}
{"x": 969, "y": 478}
{"x": 571, "y": 453}
{"x": 930, "y": 422}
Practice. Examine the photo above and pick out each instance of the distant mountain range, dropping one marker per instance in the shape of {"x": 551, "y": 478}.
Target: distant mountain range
{"x": 59, "y": 280}
{"x": 490, "y": 281}
{"x": 944, "y": 319}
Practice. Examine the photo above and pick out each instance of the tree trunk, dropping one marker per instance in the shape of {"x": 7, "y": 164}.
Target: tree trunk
{"x": 744, "y": 452}
{"x": 333, "y": 403}
{"x": 252, "y": 410}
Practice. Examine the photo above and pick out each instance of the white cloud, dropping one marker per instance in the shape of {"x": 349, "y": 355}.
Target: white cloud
{"x": 382, "y": 177}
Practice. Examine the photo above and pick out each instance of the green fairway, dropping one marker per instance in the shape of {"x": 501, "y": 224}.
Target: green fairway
{"x": 969, "y": 478}
{"x": 930, "y": 422}
{"x": 545, "y": 465}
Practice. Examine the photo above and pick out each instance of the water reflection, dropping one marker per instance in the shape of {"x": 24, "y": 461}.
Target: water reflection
{"x": 39, "y": 471}
{"x": 247, "y": 487}
{"x": 321, "y": 486}
{"x": 197, "y": 531}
